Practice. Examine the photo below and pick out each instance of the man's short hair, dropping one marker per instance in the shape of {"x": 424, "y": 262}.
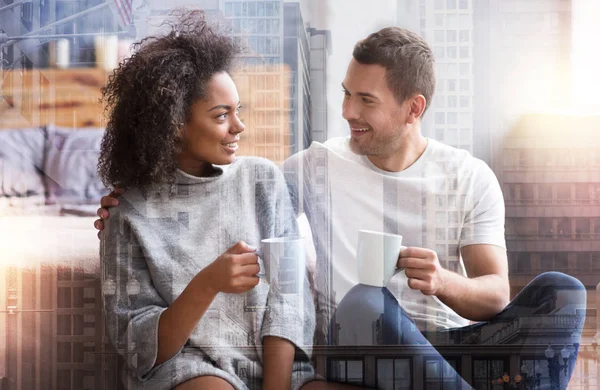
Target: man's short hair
{"x": 407, "y": 58}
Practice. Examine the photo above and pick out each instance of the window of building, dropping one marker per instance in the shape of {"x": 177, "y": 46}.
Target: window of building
{"x": 451, "y": 52}
{"x": 260, "y": 8}
{"x": 438, "y": 36}
{"x": 439, "y": 5}
{"x": 526, "y": 226}
{"x": 439, "y": 20}
{"x": 546, "y": 261}
{"x": 439, "y": 101}
{"x": 452, "y": 135}
{"x": 465, "y": 85}
{"x": 465, "y": 69}
{"x": 535, "y": 372}
{"x": 440, "y": 118}
{"x": 63, "y": 324}
{"x": 582, "y": 192}
{"x": 394, "y": 374}
{"x": 453, "y": 234}
{"x": 451, "y": 85}
{"x": 545, "y": 158}
{"x": 451, "y": 21}
{"x": 465, "y": 102}
{"x": 582, "y": 227}
{"x": 452, "y": 201}
{"x": 78, "y": 299}
{"x": 561, "y": 261}
{"x": 522, "y": 263}
{"x": 563, "y": 191}
{"x": 583, "y": 261}
{"x": 509, "y": 191}
{"x": 465, "y": 52}
{"x": 63, "y": 273}
{"x": 63, "y": 352}
{"x": 450, "y": 4}
{"x": 440, "y": 234}
{"x": 439, "y": 134}
{"x": 465, "y": 20}
{"x": 273, "y": 26}
{"x": 251, "y": 9}
{"x": 451, "y": 36}
{"x": 563, "y": 227}
{"x": 452, "y": 118}
{"x": 527, "y": 192}
{"x": 441, "y": 218}
{"x": 78, "y": 352}
{"x": 463, "y": 4}
{"x": 228, "y": 9}
{"x": 347, "y": 370}
{"x": 596, "y": 225}
{"x": 545, "y": 193}
{"x": 595, "y": 261}
{"x": 546, "y": 227}
{"x": 63, "y": 297}
{"x": 465, "y": 119}
{"x": 83, "y": 379}
{"x": 452, "y": 71}
{"x": 439, "y": 52}
{"x": 464, "y": 36}
{"x": 63, "y": 379}
{"x": 487, "y": 371}
{"x": 440, "y": 373}
{"x": 452, "y": 101}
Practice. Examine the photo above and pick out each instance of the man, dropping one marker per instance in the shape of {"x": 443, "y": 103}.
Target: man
{"x": 447, "y": 205}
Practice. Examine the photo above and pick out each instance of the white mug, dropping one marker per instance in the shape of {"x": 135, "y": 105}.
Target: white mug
{"x": 284, "y": 263}
{"x": 377, "y": 256}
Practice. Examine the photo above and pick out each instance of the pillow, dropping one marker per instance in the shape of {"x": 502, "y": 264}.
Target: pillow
{"x": 21, "y": 160}
{"x": 70, "y": 165}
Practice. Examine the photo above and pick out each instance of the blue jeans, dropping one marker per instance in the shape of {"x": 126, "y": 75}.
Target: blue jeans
{"x": 545, "y": 298}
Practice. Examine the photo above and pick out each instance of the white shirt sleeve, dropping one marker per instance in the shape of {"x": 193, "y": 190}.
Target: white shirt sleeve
{"x": 484, "y": 210}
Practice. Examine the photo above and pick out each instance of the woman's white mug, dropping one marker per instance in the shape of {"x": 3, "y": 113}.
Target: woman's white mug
{"x": 377, "y": 257}
{"x": 284, "y": 263}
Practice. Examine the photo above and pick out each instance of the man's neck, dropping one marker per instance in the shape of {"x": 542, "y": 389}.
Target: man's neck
{"x": 409, "y": 152}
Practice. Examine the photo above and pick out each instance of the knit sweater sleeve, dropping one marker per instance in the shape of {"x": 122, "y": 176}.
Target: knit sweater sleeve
{"x": 132, "y": 305}
{"x": 290, "y": 314}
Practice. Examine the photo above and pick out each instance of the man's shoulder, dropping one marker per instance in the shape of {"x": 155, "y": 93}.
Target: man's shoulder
{"x": 338, "y": 144}
{"x": 457, "y": 159}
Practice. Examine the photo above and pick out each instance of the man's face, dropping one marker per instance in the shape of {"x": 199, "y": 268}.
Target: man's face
{"x": 376, "y": 119}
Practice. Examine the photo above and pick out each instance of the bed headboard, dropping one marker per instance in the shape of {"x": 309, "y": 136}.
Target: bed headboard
{"x": 38, "y": 97}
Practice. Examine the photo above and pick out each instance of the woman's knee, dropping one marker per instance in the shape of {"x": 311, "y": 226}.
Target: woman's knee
{"x": 204, "y": 383}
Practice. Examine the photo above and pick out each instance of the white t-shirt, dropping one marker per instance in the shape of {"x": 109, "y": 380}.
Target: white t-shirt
{"x": 446, "y": 200}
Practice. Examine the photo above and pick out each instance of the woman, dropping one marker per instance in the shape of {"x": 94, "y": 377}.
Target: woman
{"x": 182, "y": 297}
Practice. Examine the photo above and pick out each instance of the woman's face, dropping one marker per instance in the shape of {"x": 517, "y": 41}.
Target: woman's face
{"x": 212, "y": 133}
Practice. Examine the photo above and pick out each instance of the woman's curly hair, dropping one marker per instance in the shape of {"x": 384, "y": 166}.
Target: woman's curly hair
{"x": 149, "y": 96}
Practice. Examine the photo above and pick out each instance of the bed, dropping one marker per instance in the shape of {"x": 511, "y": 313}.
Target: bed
{"x": 51, "y": 325}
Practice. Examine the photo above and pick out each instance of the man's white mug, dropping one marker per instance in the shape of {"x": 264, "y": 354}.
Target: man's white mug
{"x": 284, "y": 263}
{"x": 377, "y": 256}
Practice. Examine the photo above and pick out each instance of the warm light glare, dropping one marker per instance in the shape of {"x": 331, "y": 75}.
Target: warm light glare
{"x": 586, "y": 57}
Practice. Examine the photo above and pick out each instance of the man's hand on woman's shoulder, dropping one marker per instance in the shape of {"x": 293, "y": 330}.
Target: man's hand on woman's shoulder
{"x": 107, "y": 201}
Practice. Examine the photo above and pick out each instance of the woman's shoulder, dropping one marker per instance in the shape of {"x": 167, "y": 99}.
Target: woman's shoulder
{"x": 261, "y": 166}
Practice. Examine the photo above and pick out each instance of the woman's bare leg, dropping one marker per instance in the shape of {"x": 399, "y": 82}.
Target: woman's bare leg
{"x": 204, "y": 383}
{"x": 323, "y": 385}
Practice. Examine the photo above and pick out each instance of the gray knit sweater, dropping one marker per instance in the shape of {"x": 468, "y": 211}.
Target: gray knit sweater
{"x": 155, "y": 243}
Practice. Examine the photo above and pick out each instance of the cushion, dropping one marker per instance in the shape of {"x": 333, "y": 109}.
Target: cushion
{"x": 70, "y": 165}
{"x": 21, "y": 160}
